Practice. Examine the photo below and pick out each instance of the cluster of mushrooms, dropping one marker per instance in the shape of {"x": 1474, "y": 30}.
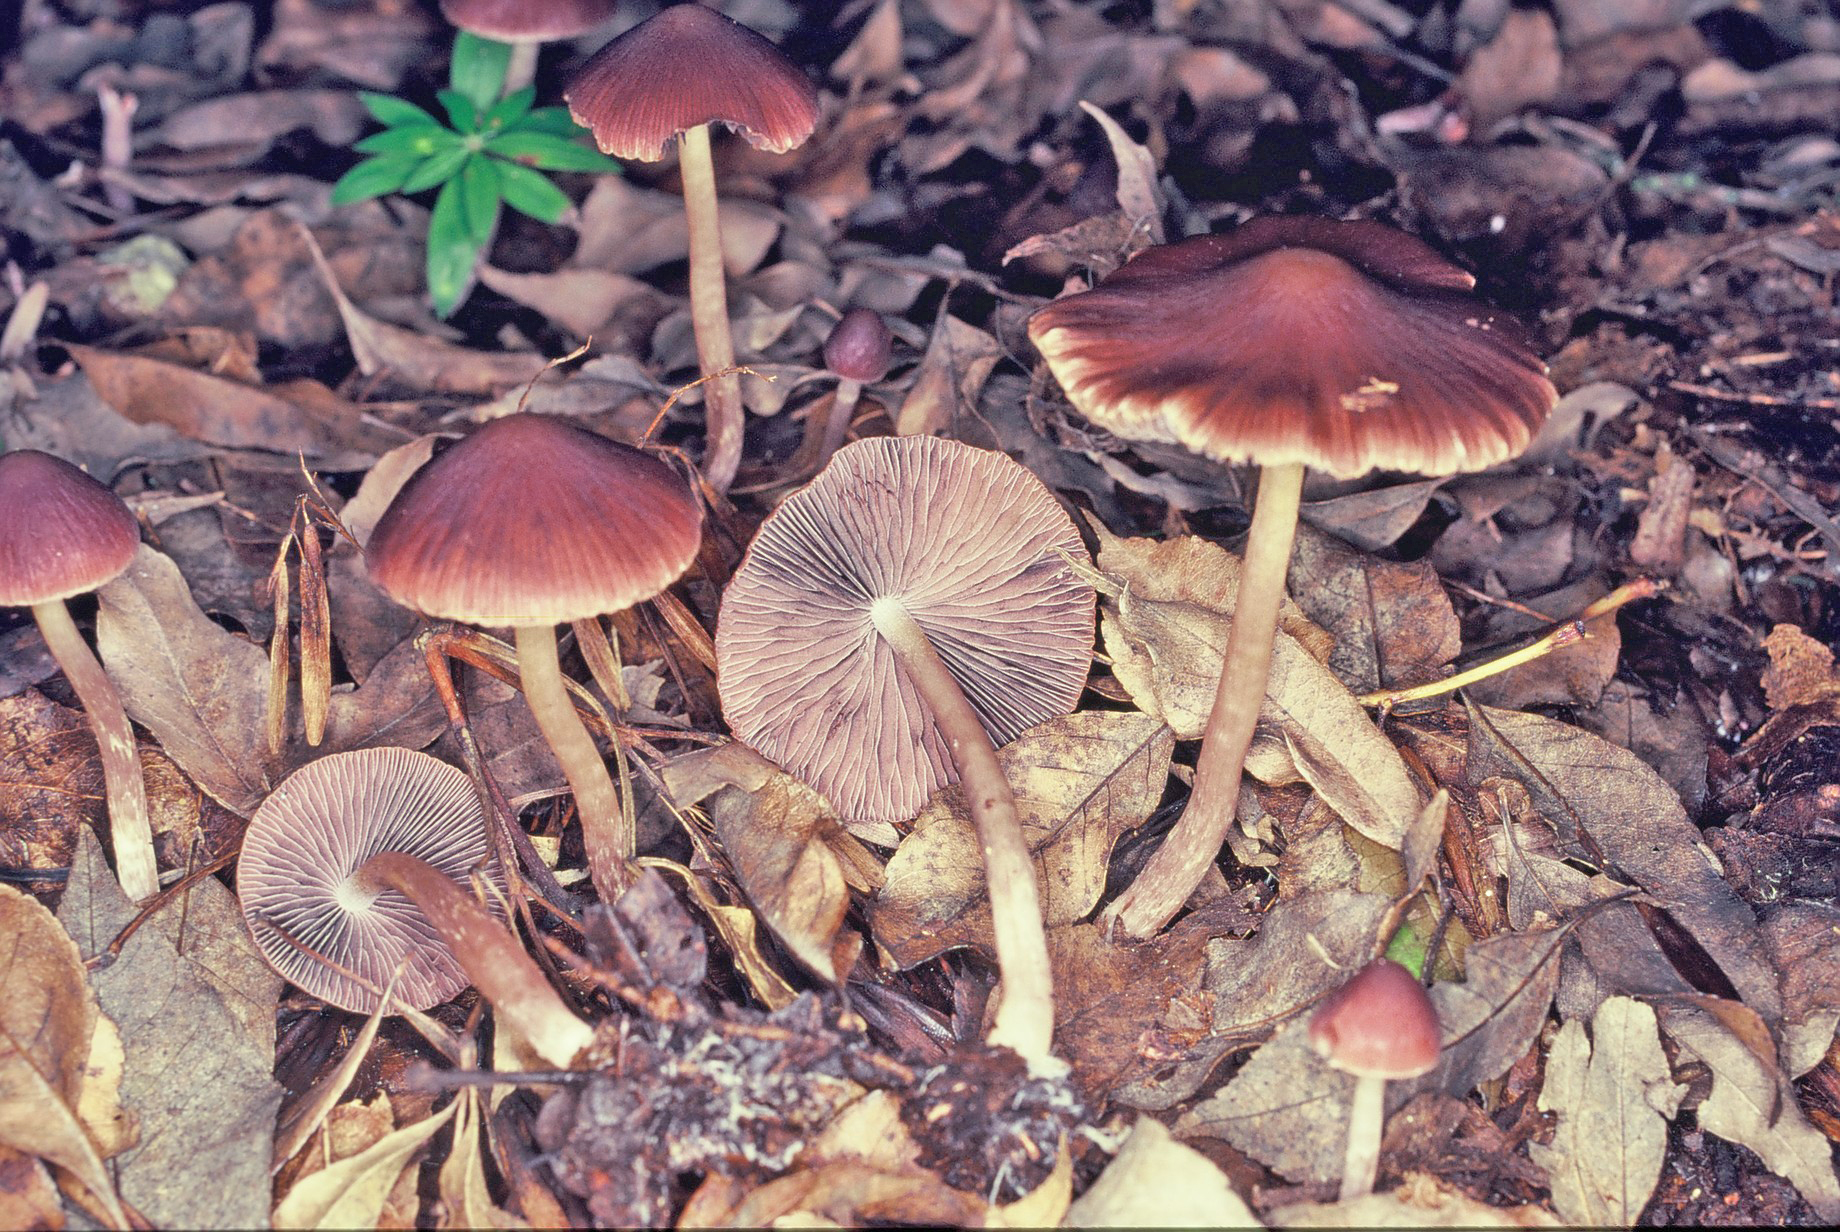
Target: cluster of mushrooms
{"x": 913, "y": 607}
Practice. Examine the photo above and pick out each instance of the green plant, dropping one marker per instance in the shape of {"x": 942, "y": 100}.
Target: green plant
{"x": 490, "y": 153}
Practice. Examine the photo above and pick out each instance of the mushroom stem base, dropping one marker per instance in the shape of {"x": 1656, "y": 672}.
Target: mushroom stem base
{"x": 1366, "y": 1119}
{"x": 1025, "y": 1011}
{"x": 715, "y": 345}
{"x": 604, "y": 832}
{"x": 1179, "y": 864}
{"x": 130, "y": 831}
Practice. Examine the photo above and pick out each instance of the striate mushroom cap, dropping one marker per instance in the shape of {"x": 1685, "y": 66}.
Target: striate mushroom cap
{"x": 859, "y": 346}
{"x": 534, "y": 521}
{"x": 528, "y": 21}
{"x": 298, "y": 873}
{"x": 971, "y": 544}
{"x": 690, "y": 65}
{"x": 61, "y": 532}
{"x": 1346, "y": 346}
{"x": 1380, "y": 1024}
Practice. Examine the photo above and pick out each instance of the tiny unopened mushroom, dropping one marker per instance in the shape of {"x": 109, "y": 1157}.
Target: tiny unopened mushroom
{"x": 533, "y": 522}
{"x": 891, "y": 620}
{"x": 1379, "y": 1026}
{"x": 64, "y": 534}
{"x": 1289, "y": 342}
{"x": 858, "y": 350}
{"x": 671, "y": 77}
{"x": 526, "y": 25}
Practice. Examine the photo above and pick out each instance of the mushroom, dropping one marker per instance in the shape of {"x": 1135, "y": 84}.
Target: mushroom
{"x": 857, "y": 349}
{"x": 357, "y": 870}
{"x": 672, "y": 76}
{"x": 890, "y": 621}
{"x": 64, "y": 534}
{"x": 526, "y": 25}
{"x": 533, "y": 522}
{"x": 1289, "y": 342}
{"x": 1378, "y": 1026}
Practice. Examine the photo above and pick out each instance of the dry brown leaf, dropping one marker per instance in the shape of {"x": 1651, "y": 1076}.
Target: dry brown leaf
{"x": 1753, "y": 1105}
{"x": 465, "y": 1201}
{"x": 47, "y": 1020}
{"x": 1080, "y": 781}
{"x": 1518, "y": 68}
{"x": 1156, "y": 1182}
{"x": 849, "y": 1193}
{"x": 351, "y": 1192}
{"x": 628, "y": 230}
{"x": 28, "y": 1196}
{"x": 298, "y": 417}
{"x": 1138, "y": 194}
{"x": 198, "y": 688}
{"x": 195, "y": 1003}
{"x": 1614, "y": 1095}
{"x": 1801, "y": 669}
{"x": 782, "y": 840}
{"x": 1392, "y": 621}
{"x": 1166, "y": 608}
{"x": 610, "y": 307}
{"x": 958, "y": 360}
{"x": 260, "y": 117}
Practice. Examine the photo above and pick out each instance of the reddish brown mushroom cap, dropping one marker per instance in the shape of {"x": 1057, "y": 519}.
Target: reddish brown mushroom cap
{"x": 534, "y": 521}
{"x": 859, "y": 346}
{"x": 61, "y": 532}
{"x": 1380, "y": 1024}
{"x": 1345, "y": 346}
{"x": 297, "y": 873}
{"x": 971, "y": 545}
{"x": 690, "y": 65}
{"x": 528, "y": 21}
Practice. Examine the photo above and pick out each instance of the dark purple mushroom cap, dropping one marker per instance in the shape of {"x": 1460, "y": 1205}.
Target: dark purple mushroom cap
{"x": 1380, "y": 1024}
{"x": 690, "y": 65}
{"x": 859, "y": 346}
{"x": 528, "y": 21}
{"x": 971, "y": 544}
{"x": 61, "y": 532}
{"x": 301, "y": 853}
{"x": 534, "y": 521}
{"x": 1345, "y": 346}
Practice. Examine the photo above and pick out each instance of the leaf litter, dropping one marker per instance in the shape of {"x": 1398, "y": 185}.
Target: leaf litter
{"x": 1612, "y": 862}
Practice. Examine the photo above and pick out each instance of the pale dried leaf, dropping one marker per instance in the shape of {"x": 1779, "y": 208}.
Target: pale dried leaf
{"x": 1138, "y": 195}
{"x": 197, "y": 687}
{"x": 351, "y": 1192}
{"x": 1080, "y": 781}
{"x": 1157, "y": 1182}
{"x": 1614, "y": 1095}
{"x": 958, "y": 360}
{"x": 1420, "y": 1201}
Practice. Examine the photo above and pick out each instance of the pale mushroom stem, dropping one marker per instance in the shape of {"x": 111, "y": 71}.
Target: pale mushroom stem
{"x": 130, "y": 832}
{"x": 1366, "y": 1120}
{"x": 715, "y": 346}
{"x": 604, "y": 832}
{"x": 1180, "y": 863}
{"x": 521, "y": 68}
{"x": 837, "y": 423}
{"x": 1025, "y": 1010}
{"x": 498, "y": 966}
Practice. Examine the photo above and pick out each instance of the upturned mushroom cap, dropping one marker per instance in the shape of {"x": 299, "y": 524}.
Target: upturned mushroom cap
{"x": 528, "y": 21}
{"x": 301, "y": 853}
{"x": 534, "y": 521}
{"x": 859, "y": 346}
{"x": 1346, "y": 346}
{"x": 690, "y": 65}
{"x": 61, "y": 532}
{"x": 971, "y": 545}
{"x": 1380, "y": 1024}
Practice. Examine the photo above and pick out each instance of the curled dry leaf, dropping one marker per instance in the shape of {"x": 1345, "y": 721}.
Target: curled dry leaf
{"x": 782, "y": 840}
{"x": 48, "y": 1020}
{"x": 1080, "y": 781}
{"x": 350, "y": 1192}
{"x": 1614, "y": 1095}
{"x": 958, "y": 360}
{"x": 1391, "y": 620}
